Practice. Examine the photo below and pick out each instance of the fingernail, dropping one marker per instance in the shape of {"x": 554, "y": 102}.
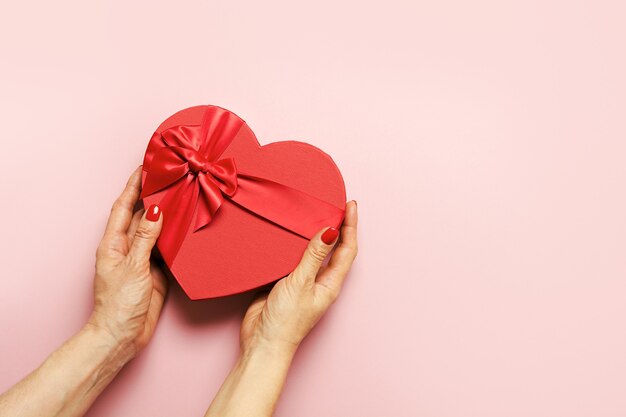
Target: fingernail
{"x": 330, "y": 235}
{"x": 153, "y": 213}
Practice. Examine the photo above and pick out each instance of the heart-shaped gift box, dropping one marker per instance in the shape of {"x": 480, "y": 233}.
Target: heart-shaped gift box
{"x": 236, "y": 215}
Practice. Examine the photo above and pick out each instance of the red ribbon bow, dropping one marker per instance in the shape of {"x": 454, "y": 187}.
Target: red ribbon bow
{"x": 185, "y": 161}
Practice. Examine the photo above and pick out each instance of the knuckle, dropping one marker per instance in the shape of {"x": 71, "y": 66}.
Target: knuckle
{"x": 105, "y": 246}
{"x": 117, "y": 205}
{"x": 351, "y": 250}
{"x": 123, "y": 202}
{"x": 143, "y": 232}
{"x": 331, "y": 294}
{"x": 134, "y": 263}
{"x": 131, "y": 186}
{"x": 317, "y": 252}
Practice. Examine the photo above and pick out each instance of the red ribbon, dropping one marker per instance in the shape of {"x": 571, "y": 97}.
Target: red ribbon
{"x": 187, "y": 164}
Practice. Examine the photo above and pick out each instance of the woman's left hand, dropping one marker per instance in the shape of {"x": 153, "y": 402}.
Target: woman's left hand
{"x": 129, "y": 294}
{"x": 129, "y": 287}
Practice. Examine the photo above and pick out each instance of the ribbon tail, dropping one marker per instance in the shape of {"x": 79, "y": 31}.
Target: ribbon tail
{"x": 178, "y": 207}
{"x": 292, "y": 209}
{"x": 209, "y": 201}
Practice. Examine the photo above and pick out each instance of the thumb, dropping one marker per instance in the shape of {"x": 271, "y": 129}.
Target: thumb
{"x": 146, "y": 234}
{"x": 315, "y": 253}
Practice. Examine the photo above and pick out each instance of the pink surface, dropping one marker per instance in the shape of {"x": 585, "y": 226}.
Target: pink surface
{"x": 484, "y": 141}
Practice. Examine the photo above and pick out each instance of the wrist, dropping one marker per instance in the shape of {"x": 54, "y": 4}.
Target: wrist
{"x": 118, "y": 350}
{"x": 268, "y": 352}
{"x": 254, "y": 384}
{"x": 110, "y": 327}
{"x": 269, "y": 349}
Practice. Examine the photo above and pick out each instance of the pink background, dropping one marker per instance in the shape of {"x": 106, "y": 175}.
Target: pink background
{"x": 483, "y": 140}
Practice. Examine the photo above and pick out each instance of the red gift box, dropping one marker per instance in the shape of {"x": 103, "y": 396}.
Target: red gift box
{"x": 236, "y": 215}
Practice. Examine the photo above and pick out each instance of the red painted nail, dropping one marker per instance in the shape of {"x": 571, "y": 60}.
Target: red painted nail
{"x": 330, "y": 235}
{"x": 153, "y": 213}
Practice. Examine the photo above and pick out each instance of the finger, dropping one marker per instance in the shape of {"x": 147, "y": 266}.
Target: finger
{"x": 130, "y": 233}
{"x": 147, "y": 232}
{"x": 314, "y": 256}
{"x": 345, "y": 252}
{"x": 122, "y": 210}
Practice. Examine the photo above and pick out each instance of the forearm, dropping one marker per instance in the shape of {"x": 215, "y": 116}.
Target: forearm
{"x": 254, "y": 385}
{"x": 70, "y": 379}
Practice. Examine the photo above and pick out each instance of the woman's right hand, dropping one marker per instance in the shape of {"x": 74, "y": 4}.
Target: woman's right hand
{"x": 276, "y": 322}
{"x": 282, "y": 318}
